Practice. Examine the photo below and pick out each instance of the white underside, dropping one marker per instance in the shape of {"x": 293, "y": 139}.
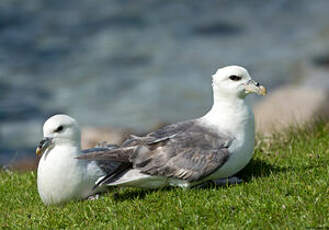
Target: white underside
{"x": 61, "y": 177}
{"x": 134, "y": 178}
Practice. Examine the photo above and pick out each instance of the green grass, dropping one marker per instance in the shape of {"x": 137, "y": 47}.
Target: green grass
{"x": 286, "y": 187}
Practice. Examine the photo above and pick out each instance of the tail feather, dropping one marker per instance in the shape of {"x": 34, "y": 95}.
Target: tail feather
{"x": 124, "y": 167}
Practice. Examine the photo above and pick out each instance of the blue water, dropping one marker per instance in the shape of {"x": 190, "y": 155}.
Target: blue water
{"x": 137, "y": 63}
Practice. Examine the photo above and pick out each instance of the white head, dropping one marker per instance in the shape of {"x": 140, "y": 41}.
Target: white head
{"x": 235, "y": 81}
{"x": 59, "y": 129}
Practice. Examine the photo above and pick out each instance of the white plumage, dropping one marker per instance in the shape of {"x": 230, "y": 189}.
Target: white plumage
{"x": 61, "y": 177}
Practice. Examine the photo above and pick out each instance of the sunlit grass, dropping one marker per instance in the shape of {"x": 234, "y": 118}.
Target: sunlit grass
{"x": 286, "y": 186}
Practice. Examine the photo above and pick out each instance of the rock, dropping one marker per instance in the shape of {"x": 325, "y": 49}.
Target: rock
{"x": 291, "y": 105}
{"x": 92, "y": 136}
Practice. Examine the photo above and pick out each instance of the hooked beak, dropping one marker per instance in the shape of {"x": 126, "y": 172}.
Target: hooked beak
{"x": 254, "y": 87}
{"x": 43, "y": 145}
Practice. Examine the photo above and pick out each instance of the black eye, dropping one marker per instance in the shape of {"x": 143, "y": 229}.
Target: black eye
{"x": 235, "y": 78}
{"x": 59, "y": 128}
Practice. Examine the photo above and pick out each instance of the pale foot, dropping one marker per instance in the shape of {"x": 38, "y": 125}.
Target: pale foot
{"x": 93, "y": 197}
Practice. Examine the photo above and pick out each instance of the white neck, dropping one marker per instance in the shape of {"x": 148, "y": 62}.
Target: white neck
{"x": 229, "y": 113}
{"x": 70, "y": 144}
{"x": 62, "y": 149}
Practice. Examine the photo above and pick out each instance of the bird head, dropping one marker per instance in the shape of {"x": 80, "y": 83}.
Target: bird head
{"x": 235, "y": 81}
{"x": 59, "y": 129}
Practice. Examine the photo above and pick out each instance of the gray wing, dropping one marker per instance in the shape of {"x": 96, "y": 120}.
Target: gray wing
{"x": 108, "y": 167}
{"x": 184, "y": 151}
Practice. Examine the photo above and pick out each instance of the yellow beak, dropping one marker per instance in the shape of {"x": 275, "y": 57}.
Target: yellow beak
{"x": 43, "y": 145}
{"x": 254, "y": 87}
{"x": 38, "y": 151}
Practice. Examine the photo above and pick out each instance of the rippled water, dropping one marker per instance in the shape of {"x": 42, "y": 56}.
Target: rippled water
{"x": 134, "y": 64}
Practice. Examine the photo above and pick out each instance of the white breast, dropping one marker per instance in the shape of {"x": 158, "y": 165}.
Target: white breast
{"x": 239, "y": 124}
{"x": 60, "y": 176}
{"x": 241, "y": 150}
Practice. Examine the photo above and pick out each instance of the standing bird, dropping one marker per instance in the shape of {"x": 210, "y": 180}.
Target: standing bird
{"x": 215, "y": 146}
{"x": 61, "y": 177}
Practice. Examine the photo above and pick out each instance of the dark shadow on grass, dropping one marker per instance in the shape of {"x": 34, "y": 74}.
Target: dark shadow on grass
{"x": 258, "y": 168}
{"x": 138, "y": 194}
{"x": 131, "y": 195}
{"x": 255, "y": 169}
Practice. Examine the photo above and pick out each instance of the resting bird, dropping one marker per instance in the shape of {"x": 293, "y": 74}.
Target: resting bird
{"x": 61, "y": 177}
{"x": 213, "y": 147}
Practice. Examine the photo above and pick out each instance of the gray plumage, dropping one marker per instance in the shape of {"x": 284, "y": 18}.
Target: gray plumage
{"x": 106, "y": 166}
{"x": 185, "y": 150}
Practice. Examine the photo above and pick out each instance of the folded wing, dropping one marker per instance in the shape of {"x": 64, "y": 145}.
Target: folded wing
{"x": 185, "y": 150}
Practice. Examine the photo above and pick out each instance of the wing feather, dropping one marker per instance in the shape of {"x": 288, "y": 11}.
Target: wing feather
{"x": 185, "y": 150}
